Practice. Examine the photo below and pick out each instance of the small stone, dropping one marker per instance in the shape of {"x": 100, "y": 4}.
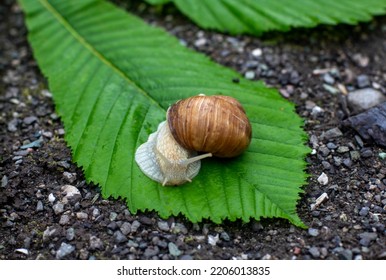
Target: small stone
{"x": 200, "y": 42}
{"x": 135, "y": 225}
{"x": 326, "y": 164}
{"x": 82, "y": 216}
{"x": 366, "y": 152}
{"x": 343, "y": 149}
{"x": 125, "y": 228}
{"x": 364, "y": 211}
{"x": 250, "y": 75}
{"x": 324, "y": 151}
{"x": 212, "y": 240}
{"x": 12, "y": 125}
{"x": 49, "y": 233}
{"x": 70, "y": 234}
{"x": 39, "y": 206}
{"x": 58, "y": 208}
{"x": 179, "y": 228}
{"x": 332, "y": 133}
{"x": 313, "y": 232}
{"x": 225, "y": 236}
{"x": 113, "y": 216}
{"x": 51, "y": 198}
{"x": 151, "y": 252}
{"x": 163, "y": 225}
{"x": 69, "y": 177}
{"x": 64, "y": 250}
{"x": 345, "y": 254}
{"x": 355, "y": 155}
{"x": 119, "y": 237}
{"x": 328, "y": 79}
{"x": 364, "y": 99}
{"x": 96, "y": 243}
{"x": 363, "y": 81}
{"x": 257, "y": 52}
{"x": 173, "y": 249}
{"x": 331, "y": 89}
{"x": 30, "y": 120}
{"x": 4, "y": 181}
{"x": 347, "y": 162}
{"x": 331, "y": 146}
{"x": 64, "y": 219}
{"x": 323, "y": 179}
{"x": 314, "y": 251}
{"x": 72, "y": 194}
{"x": 22, "y": 251}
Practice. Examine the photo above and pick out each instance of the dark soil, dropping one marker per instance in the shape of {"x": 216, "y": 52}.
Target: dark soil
{"x": 312, "y": 68}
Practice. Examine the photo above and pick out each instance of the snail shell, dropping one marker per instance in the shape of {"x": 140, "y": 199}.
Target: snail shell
{"x": 215, "y": 124}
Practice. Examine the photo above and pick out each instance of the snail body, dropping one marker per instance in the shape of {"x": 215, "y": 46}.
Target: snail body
{"x": 216, "y": 125}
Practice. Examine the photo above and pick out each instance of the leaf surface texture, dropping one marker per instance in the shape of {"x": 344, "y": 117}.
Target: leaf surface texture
{"x": 113, "y": 77}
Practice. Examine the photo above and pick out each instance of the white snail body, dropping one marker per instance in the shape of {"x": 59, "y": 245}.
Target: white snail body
{"x": 210, "y": 124}
{"x": 162, "y": 159}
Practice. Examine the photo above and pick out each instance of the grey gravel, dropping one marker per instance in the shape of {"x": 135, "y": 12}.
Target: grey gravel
{"x": 332, "y": 133}
{"x": 313, "y": 231}
{"x": 119, "y": 237}
{"x": 64, "y": 250}
{"x": 364, "y": 99}
{"x": 173, "y": 249}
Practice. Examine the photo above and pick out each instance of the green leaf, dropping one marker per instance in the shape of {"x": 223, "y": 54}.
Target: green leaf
{"x": 258, "y": 16}
{"x": 113, "y": 77}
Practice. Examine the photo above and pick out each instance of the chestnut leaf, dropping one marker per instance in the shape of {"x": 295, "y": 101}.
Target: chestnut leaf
{"x": 113, "y": 77}
{"x": 258, "y": 16}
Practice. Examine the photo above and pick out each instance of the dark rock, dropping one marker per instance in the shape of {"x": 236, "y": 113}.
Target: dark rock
{"x": 345, "y": 254}
{"x": 364, "y": 211}
{"x": 314, "y": 252}
{"x": 119, "y": 237}
{"x": 30, "y": 120}
{"x": 371, "y": 125}
{"x": 363, "y": 81}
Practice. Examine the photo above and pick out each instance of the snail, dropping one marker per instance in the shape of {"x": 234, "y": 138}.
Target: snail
{"x": 213, "y": 125}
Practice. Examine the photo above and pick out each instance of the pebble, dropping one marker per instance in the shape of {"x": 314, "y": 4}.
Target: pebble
{"x": 364, "y": 211}
{"x": 22, "y": 251}
{"x": 51, "y": 198}
{"x": 125, "y": 228}
{"x": 328, "y": 79}
{"x": 72, "y": 194}
{"x": 119, "y": 237}
{"x": 355, "y": 155}
{"x": 39, "y": 206}
{"x": 70, "y": 234}
{"x": 173, "y": 249}
{"x": 95, "y": 243}
{"x": 323, "y": 179}
{"x": 58, "y": 208}
{"x": 151, "y": 251}
{"x": 257, "y": 52}
{"x": 135, "y": 225}
{"x": 12, "y": 125}
{"x": 82, "y": 216}
{"x": 363, "y": 81}
{"x": 64, "y": 219}
{"x": 69, "y": 177}
{"x": 250, "y": 75}
{"x": 179, "y": 228}
{"x": 113, "y": 216}
{"x": 64, "y": 250}
{"x": 163, "y": 225}
{"x": 313, "y": 232}
{"x": 30, "y": 120}
{"x": 212, "y": 240}
{"x": 332, "y": 133}
{"x": 314, "y": 251}
{"x": 371, "y": 124}
{"x": 364, "y": 99}
{"x": 4, "y": 181}
{"x": 343, "y": 149}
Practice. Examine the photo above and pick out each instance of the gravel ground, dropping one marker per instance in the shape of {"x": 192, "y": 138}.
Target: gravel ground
{"x": 48, "y": 211}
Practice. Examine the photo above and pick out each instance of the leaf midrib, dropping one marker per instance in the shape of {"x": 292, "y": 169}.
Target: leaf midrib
{"x": 94, "y": 51}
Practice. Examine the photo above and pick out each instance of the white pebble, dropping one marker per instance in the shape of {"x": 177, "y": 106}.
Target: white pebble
{"x": 323, "y": 179}
{"x": 250, "y": 75}
{"x": 22, "y": 251}
{"x": 257, "y": 52}
{"x": 51, "y": 197}
{"x": 212, "y": 240}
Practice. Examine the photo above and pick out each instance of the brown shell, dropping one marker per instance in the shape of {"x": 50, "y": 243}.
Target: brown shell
{"x": 214, "y": 124}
